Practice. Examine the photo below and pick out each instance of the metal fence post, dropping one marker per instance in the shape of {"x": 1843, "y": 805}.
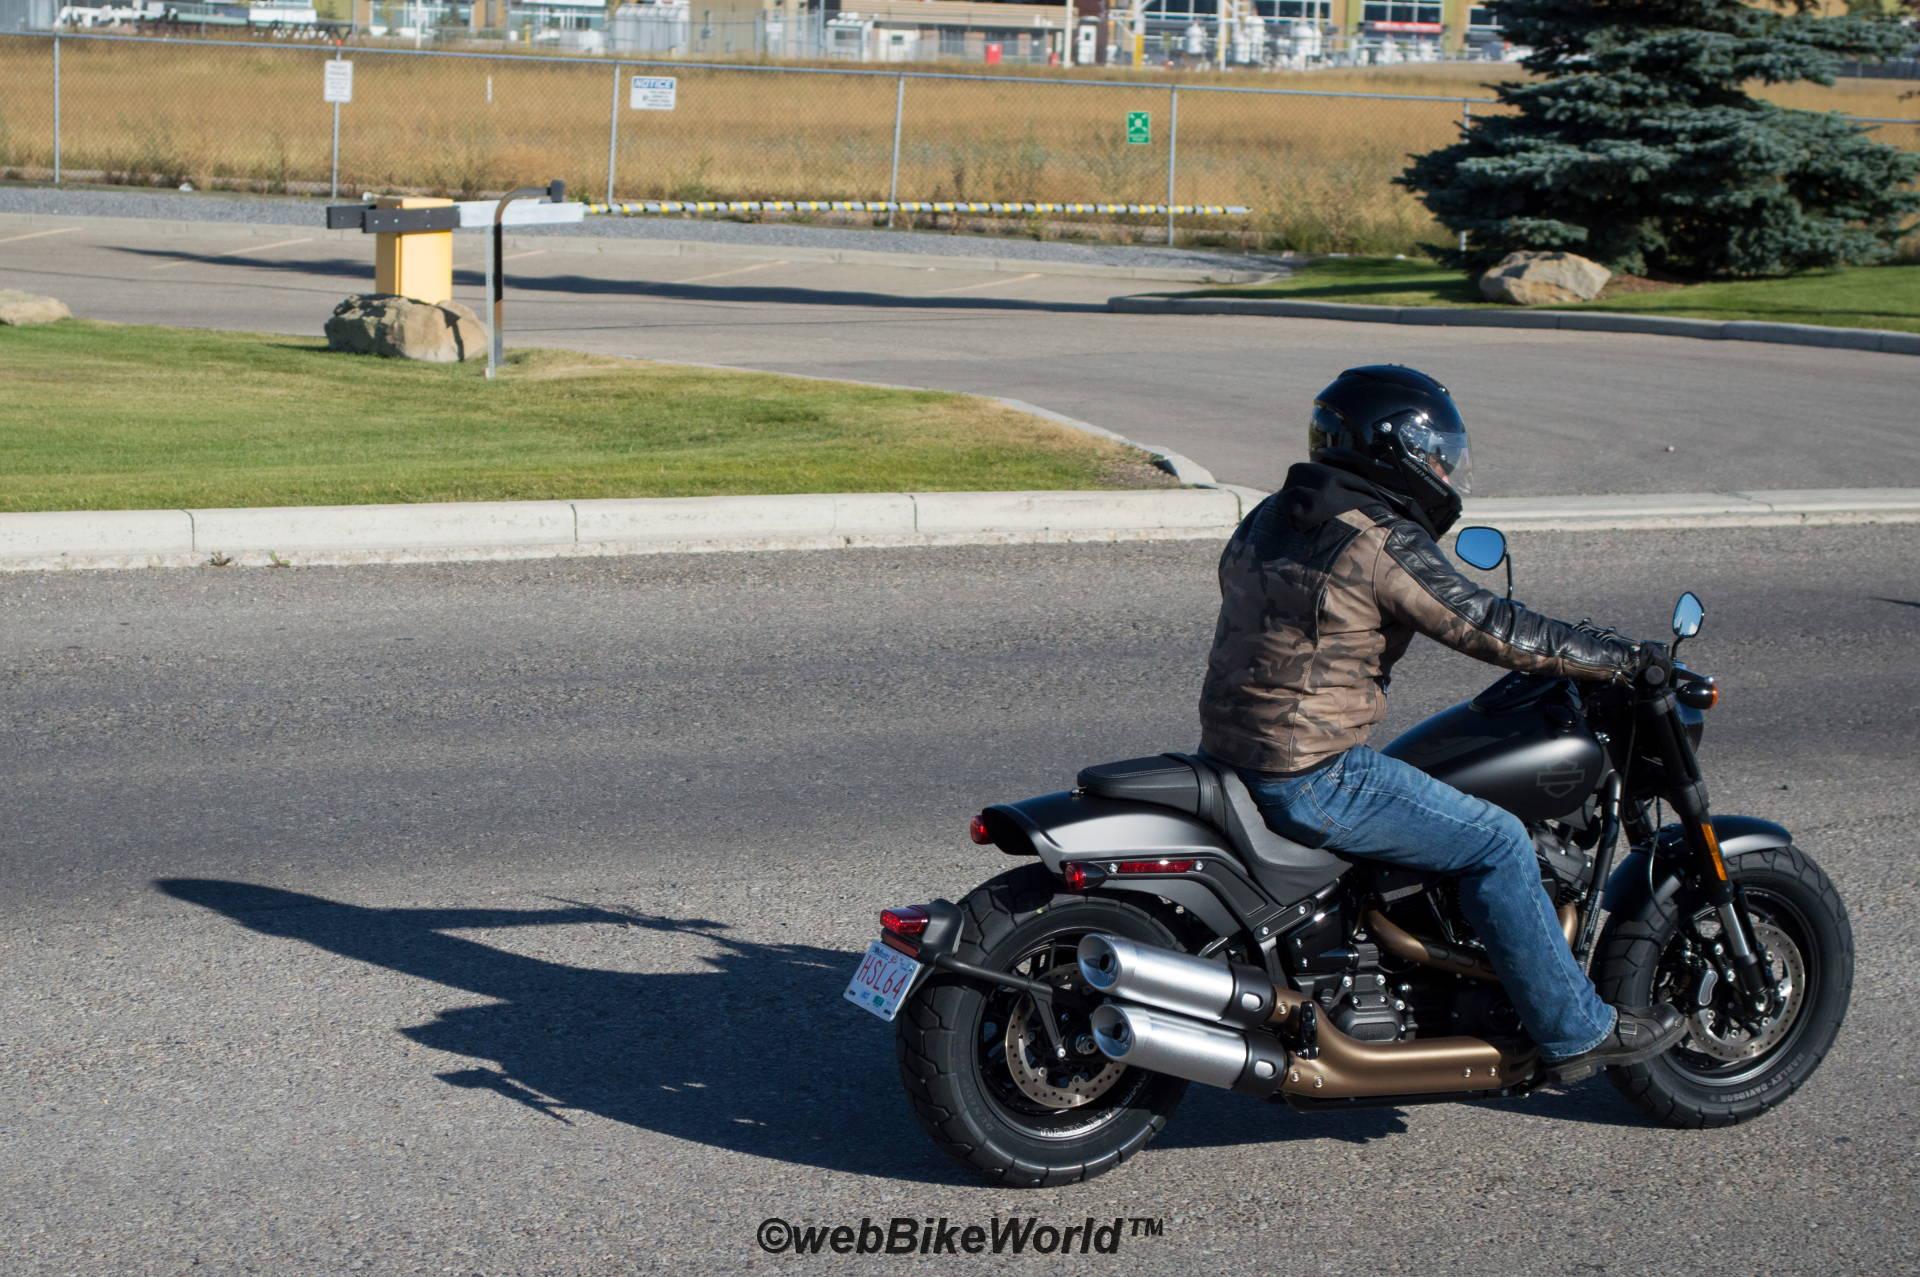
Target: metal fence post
{"x": 1173, "y": 152}
{"x": 893, "y": 182}
{"x": 613, "y": 132}
{"x": 336, "y": 137}
{"x": 56, "y": 108}
{"x": 1466, "y": 123}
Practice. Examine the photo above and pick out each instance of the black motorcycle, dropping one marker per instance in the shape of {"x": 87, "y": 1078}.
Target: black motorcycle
{"x": 1161, "y": 934}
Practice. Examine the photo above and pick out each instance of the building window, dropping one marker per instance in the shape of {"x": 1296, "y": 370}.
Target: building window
{"x": 1480, "y": 18}
{"x": 1316, "y": 10}
{"x": 1395, "y": 12}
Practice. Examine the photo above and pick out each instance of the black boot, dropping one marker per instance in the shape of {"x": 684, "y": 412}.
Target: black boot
{"x": 1639, "y": 1034}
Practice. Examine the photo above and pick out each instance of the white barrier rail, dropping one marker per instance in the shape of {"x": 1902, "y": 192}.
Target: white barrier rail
{"x": 636, "y": 208}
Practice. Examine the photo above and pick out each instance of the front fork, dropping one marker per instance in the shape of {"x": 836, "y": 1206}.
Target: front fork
{"x": 1751, "y": 967}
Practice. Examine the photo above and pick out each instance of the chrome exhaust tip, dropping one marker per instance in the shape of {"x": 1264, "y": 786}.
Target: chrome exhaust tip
{"x": 1210, "y": 1054}
{"x": 1175, "y": 981}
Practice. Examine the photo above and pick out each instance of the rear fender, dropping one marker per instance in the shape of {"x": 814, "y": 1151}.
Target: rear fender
{"x": 1063, "y": 826}
{"x": 1642, "y": 880}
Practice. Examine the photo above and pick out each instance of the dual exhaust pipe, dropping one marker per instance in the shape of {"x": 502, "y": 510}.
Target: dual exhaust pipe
{"x": 1229, "y": 1025}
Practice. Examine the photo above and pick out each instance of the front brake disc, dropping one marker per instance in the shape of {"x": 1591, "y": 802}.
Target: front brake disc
{"x": 1720, "y": 1036}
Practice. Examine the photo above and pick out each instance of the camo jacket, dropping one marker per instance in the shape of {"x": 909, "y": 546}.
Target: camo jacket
{"x": 1322, "y": 587}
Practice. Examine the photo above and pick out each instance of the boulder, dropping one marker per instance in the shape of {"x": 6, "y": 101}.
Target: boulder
{"x": 21, "y": 309}
{"x": 401, "y": 328}
{"x": 1544, "y": 279}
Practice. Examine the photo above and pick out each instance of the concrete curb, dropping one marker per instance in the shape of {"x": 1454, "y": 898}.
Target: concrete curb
{"x": 544, "y": 529}
{"x": 597, "y": 245}
{"x": 453, "y": 532}
{"x": 1871, "y": 339}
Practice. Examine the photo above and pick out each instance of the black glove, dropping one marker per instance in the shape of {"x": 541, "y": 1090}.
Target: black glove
{"x": 1654, "y": 664}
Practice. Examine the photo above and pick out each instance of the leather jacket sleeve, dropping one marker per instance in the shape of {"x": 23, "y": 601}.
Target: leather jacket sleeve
{"x": 1416, "y": 585}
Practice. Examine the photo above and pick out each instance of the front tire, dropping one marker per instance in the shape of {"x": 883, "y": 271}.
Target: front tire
{"x": 1009, "y": 1114}
{"x": 1721, "y": 1074}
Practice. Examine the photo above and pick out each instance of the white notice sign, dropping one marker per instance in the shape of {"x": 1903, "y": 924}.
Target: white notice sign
{"x": 339, "y": 82}
{"x": 653, "y": 92}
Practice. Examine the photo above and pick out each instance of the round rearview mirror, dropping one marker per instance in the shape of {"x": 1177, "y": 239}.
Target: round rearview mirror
{"x": 1482, "y": 548}
{"x": 1687, "y": 615}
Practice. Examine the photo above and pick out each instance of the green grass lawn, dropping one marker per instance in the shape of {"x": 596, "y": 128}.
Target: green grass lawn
{"x": 1856, "y": 297}
{"x": 109, "y": 417}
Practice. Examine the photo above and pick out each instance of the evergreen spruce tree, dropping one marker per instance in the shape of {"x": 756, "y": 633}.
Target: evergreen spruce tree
{"x": 1642, "y": 149}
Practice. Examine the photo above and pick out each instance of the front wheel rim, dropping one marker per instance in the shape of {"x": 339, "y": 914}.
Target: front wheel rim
{"x": 1715, "y": 1053}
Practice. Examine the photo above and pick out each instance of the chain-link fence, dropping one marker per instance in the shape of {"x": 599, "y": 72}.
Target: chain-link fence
{"x": 1317, "y": 167}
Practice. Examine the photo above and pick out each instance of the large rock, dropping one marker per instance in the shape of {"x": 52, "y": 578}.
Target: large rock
{"x": 21, "y": 309}
{"x": 1544, "y": 279}
{"x": 401, "y": 328}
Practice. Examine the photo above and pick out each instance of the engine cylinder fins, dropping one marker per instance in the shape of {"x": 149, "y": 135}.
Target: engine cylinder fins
{"x": 1136, "y": 973}
{"x": 1406, "y": 946}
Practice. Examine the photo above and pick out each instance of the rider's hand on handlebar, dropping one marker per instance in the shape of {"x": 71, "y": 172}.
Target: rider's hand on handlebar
{"x": 1653, "y": 663}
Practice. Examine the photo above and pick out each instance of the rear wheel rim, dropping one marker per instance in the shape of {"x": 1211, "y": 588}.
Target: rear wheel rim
{"x": 1044, "y": 1098}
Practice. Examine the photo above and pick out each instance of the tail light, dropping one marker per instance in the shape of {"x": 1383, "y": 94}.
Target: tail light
{"x": 977, "y": 829}
{"x": 908, "y": 920}
{"x": 1162, "y": 866}
{"x": 1082, "y": 875}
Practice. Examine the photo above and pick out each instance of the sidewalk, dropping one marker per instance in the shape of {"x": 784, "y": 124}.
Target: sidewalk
{"x": 550, "y": 529}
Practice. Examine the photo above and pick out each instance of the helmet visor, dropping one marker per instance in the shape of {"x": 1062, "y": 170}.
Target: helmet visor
{"x": 1445, "y": 452}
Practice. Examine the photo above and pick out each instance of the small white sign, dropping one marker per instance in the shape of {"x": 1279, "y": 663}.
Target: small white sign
{"x": 339, "y": 82}
{"x": 653, "y": 92}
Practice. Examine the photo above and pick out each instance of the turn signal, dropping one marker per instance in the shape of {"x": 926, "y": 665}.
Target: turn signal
{"x": 1700, "y": 694}
{"x": 977, "y": 829}
{"x": 1079, "y": 875}
{"x": 908, "y": 921}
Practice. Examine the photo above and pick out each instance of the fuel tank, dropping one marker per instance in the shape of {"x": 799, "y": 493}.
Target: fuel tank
{"x": 1522, "y": 744}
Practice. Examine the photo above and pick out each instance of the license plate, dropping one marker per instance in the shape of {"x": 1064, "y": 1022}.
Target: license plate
{"x": 883, "y": 980}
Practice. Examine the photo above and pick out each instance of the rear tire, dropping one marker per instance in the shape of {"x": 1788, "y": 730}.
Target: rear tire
{"x": 949, "y": 1039}
{"x": 1707, "y": 1080}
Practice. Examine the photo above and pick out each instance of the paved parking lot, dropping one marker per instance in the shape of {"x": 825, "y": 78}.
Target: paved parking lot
{"x": 1552, "y": 412}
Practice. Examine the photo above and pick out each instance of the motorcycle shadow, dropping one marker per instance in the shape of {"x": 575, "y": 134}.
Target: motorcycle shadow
{"x": 755, "y": 1054}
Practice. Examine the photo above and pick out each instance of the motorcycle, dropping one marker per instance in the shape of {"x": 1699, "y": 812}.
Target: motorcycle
{"x": 1159, "y": 934}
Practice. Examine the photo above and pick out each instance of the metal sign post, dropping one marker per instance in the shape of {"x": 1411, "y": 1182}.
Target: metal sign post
{"x": 1173, "y": 152}
{"x": 337, "y": 88}
{"x": 556, "y": 191}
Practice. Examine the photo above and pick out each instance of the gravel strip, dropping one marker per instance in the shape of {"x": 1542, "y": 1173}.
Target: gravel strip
{"x": 258, "y": 210}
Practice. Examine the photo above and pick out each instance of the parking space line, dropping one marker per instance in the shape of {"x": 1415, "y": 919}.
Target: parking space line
{"x": 531, "y": 252}
{"x": 987, "y": 283}
{"x": 285, "y": 243}
{"x": 739, "y": 270}
{"x": 15, "y": 239}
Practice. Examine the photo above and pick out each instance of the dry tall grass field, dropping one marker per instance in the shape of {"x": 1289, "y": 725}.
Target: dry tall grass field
{"x": 1317, "y": 169}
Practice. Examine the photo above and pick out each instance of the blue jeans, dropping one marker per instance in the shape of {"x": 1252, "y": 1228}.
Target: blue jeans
{"x": 1369, "y": 806}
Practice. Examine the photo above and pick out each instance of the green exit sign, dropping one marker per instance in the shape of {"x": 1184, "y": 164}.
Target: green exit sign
{"x": 1139, "y": 128}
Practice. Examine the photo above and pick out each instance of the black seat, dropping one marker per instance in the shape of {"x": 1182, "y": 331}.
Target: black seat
{"x": 1165, "y": 780}
{"x": 1217, "y": 795}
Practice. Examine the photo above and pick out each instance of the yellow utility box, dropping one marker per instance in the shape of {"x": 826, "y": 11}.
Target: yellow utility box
{"x": 418, "y": 264}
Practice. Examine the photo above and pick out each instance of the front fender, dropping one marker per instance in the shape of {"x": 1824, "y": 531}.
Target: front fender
{"x": 1642, "y": 879}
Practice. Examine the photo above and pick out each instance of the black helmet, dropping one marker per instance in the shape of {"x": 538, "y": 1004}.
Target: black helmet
{"x": 1397, "y": 428}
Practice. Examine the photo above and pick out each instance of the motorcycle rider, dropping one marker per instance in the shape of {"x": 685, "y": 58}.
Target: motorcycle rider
{"x": 1323, "y": 586}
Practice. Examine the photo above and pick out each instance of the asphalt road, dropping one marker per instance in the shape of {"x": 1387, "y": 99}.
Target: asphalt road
{"x": 493, "y": 918}
{"x": 1551, "y": 412}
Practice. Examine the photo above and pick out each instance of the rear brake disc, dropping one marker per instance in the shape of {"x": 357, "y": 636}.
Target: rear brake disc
{"x": 1065, "y": 1084}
